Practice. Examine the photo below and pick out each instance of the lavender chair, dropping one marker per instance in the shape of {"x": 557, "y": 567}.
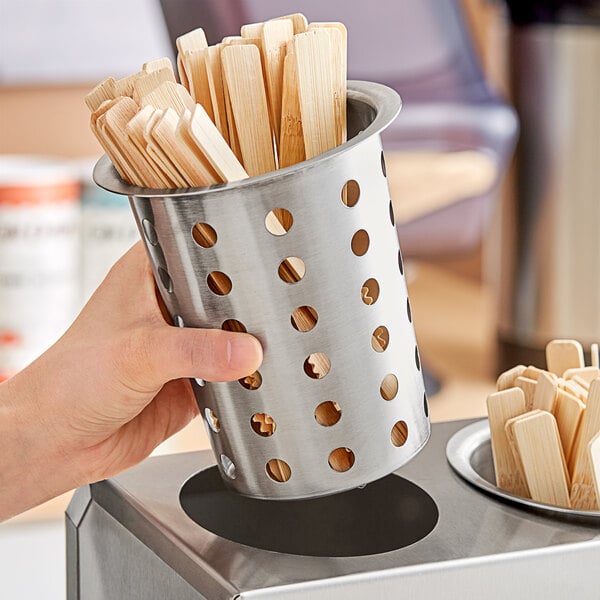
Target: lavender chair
{"x": 422, "y": 49}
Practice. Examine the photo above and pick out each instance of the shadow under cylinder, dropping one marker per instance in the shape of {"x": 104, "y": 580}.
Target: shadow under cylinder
{"x": 306, "y": 259}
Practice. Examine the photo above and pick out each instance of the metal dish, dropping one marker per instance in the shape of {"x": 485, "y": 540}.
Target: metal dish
{"x": 469, "y": 453}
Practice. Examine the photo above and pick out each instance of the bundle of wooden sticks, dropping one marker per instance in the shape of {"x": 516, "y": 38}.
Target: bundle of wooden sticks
{"x": 545, "y": 429}
{"x": 269, "y": 98}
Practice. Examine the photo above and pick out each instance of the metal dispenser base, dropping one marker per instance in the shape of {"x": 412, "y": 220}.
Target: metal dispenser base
{"x": 129, "y": 537}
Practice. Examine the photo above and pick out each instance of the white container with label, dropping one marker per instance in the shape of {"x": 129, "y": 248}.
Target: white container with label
{"x": 108, "y": 229}
{"x": 39, "y": 256}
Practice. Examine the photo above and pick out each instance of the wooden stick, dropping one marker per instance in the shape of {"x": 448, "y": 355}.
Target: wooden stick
{"x": 586, "y": 373}
{"x": 209, "y": 141}
{"x": 216, "y": 90}
{"x": 243, "y": 73}
{"x": 148, "y": 82}
{"x": 339, "y": 51}
{"x": 169, "y": 95}
{"x": 316, "y": 85}
{"x": 568, "y": 411}
{"x": 116, "y": 119}
{"x": 583, "y": 493}
{"x": 564, "y": 354}
{"x": 252, "y": 30}
{"x": 158, "y": 64}
{"x": 545, "y": 393}
{"x": 196, "y": 171}
{"x": 595, "y": 354}
{"x": 538, "y": 443}
{"x": 571, "y": 386}
{"x": 291, "y": 143}
{"x": 135, "y": 130}
{"x": 529, "y": 387}
{"x": 534, "y": 373}
{"x": 507, "y": 379}
{"x": 502, "y": 406}
{"x": 124, "y": 86}
{"x": 196, "y": 67}
{"x": 298, "y": 20}
{"x": 115, "y": 153}
{"x": 594, "y": 456}
{"x": 105, "y": 90}
{"x": 192, "y": 40}
{"x": 158, "y": 154}
{"x": 275, "y": 36}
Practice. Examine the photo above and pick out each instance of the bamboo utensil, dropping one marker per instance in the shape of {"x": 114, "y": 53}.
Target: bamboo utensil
{"x": 538, "y": 444}
{"x": 507, "y": 379}
{"x": 545, "y": 393}
{"x": 255, "y": 90}
{"x": 291, "y": 143}
{"x": 594, "y": 456}
{"x": 564, "y": 354}
{"x": 558, "y": 411}
{"x": 583, "y": 493}
{"x": 206, "y": 136}
{"x": 568, "y": 411}
{"x": 274, "y": 37}
{"x": 243, "y": 73}
{"x": 316, "y": 89}
{"x": 501, "y": 407}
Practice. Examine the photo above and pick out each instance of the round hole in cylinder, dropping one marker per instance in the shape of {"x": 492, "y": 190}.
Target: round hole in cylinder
{"x": 263, "y": 424}
{"x": 304, "y": 318}
{"x": 219, "y": 283}
{"x": 165, "y": 279}
{"x": 204, "y": 235}
{"x": 425, "y": 405}
{"x": 400, "y": 263}
{"x": 341, "y": 459}
{"x": 383, "y": 168}
{"x": 317, "y": 365}
{"x": 150, "y": 232}
{"x": 380, "y": 339}
{"x": 233, "y": 325}
{"x": 370, "y": 291}
{"x": 227, "y": 466}
{"x": 251, "y": 382}
{"x": 328, "y": 413}
{"x": 278, "y": 470}
{"x": 360, "y": 242}
{"x": 279, "y": 221}
{"x": 392, "y": 217}
{"x": 408, "y": 311}
{"x": 389, "y": 387}
{"x": 212, "y": 420}
{"x": 350, "y": 193}
{"x": 292, "y": 269}
{"x": 417, "y": 359}
{"x": 399, "y": 433}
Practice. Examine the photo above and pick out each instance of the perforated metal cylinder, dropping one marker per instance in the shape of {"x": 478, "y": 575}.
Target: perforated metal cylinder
{"x": 307, "y": 259}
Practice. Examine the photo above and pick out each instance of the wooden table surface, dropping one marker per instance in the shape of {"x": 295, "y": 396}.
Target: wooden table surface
{"x": 454, "y": 322}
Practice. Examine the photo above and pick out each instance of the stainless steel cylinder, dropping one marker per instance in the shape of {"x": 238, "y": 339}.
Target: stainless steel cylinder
{"x": 551, "y": 246}
{"x": 307, "y": 259}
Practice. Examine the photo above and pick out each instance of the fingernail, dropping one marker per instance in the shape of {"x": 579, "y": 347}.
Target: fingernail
{"x": 243, "y": 353}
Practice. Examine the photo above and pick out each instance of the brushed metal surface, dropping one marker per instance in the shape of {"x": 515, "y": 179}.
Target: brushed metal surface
{"x": 482, "y": 547}
{"x": 469, "y": 452}
{"x": 321, "y": 235}
{"x": 551, "y": 282}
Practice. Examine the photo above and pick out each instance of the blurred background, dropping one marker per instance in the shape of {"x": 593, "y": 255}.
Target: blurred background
{"x": 502, "y": 248}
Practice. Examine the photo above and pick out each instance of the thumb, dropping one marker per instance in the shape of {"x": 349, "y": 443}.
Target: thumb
{"x": 160, "y": 354}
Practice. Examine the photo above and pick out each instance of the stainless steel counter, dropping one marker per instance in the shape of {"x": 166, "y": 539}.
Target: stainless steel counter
{"x": 129, "y": 537}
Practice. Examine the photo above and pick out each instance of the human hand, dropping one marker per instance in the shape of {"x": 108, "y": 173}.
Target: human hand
{"x": 109, "y": 391}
